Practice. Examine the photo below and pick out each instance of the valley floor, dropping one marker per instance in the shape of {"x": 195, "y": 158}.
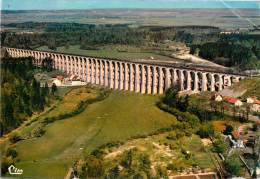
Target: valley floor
{"x": 119, "y": 117}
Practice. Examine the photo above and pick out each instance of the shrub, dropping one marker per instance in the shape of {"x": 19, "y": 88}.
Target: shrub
{"x": 11, "y": 152}
{"x": 228, "y": 130}
{"x": 172, "y": 167}
{"x": 15, "y": 138}
{"x": 206, "y": 130}
{"x": 93, "y": 168}
{"x": 38, "y": 132}
{"x": 220, "y": 146}
{"x": 172, "y": 136}
{"x": 254, "y": 127}
{"x": 98, "y": 153}
{"x": 232, "y": 166}
{"x": 5, "y": 163}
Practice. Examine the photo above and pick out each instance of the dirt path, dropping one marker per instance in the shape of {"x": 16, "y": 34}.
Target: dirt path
{"x": 232, "y": 93}
{"x": 119, "y": 151}
{"x": 68, "y": 174}
{"x": 7, "y": 136}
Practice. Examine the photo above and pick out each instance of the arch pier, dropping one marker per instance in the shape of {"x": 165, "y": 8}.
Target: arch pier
{"x": 132, "y": 76}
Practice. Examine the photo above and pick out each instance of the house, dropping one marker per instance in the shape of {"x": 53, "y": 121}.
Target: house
{"x": 73, "y": 78}
{"x": 61, "y": 78}
{"x": 235, "y": 134}
{"x": 57, "y": 82}
{"x": 255, "y": 103}
{"x": 233, "y": 101}
{"x": 217, "y": 97}
{"x": 250, "y": 100}
{"x": 76, "y": 83}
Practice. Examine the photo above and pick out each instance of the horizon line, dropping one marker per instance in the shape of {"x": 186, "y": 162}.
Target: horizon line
{"x": 131, "y": 8}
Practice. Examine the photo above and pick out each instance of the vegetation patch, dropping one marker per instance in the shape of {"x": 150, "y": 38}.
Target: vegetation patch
{"x": 100, "y": 123}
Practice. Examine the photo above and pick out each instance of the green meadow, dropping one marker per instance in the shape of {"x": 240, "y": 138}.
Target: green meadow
{"x": 107, "y": 52}
{"x": 119, "y": 117}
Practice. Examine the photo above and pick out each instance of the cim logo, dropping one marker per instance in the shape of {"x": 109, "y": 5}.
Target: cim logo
{"x": 14, "y": 171}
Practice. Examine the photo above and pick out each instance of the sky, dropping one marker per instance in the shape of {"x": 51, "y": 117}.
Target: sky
{"x": 100, "y": 4}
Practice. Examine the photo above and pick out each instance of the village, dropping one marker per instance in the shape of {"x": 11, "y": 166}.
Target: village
{"x": 244, "y": 139}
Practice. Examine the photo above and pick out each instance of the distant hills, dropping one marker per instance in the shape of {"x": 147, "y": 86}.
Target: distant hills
{"x": 132, "y": 4}
{"x": 223, "y": 18}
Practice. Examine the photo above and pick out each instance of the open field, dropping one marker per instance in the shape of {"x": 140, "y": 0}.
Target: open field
{"x": 250, "y": 87}
{"x": 137, "y": 55}
{"x": 109, "y": 53}
{"x": 102, "y": 122}
{"x": 223, "y": 18}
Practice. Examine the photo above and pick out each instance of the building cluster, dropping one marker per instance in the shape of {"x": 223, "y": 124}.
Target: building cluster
{"x": 71, "y": 80}
{"x": 253, "y": 102}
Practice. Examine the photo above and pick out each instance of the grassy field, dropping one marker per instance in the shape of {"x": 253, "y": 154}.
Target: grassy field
{"x": 251, "y": 86}
{"x": 108, "y": 52}
{"x": 119, "y": 117}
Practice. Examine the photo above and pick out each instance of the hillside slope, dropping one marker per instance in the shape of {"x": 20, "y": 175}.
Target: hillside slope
{"x": 245, "y": 88}
{"x": 120, "y": 116}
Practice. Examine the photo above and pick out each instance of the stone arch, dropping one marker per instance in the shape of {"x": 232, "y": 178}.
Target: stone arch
{"x": 106, "y": 73}
{"x": 227, "y": 80}
{"x": 149, "y": 73}
{"x": 116, "y": 75}
{"x": 163, "y": 80}
{"x": 112, "y": 74}
{"x": 180, "y": 79}
{"x": 127, "y": 76}
{"x": 93, "y": 70}
{"x": 138, "y": 78}
{"x": 143, "y": 75}
{"x": 97, "y": 71}
{"x": 101, "y": 72}
{"x": 217, "y": 82}
{"x": 200, "y": 76}
{"x": 132, "y": 77}
{"x": 193, "y": 75}
{"x": 185, "y": 79}
{"x": 171, "y": 81}
{"x": 155, "y": 79}
{"x": 209, "y": 81}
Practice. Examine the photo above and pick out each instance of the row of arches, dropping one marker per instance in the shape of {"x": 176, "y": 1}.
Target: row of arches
{"x": 144, "y": 78}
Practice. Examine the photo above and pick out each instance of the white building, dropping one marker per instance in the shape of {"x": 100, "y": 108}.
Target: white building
{"x": 57, "y": 82}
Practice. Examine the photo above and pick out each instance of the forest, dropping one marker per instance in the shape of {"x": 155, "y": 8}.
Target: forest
{"x": 21, "y": 94}
{"x": 232, "y": 51}
{"x": 241, "y": 51}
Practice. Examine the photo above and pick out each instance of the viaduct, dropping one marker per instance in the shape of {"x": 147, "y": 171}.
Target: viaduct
{"x": 132, "y": 76}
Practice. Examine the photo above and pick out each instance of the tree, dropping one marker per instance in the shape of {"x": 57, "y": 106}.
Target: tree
{"x": 47, "y": 64}
{"x": 228, "y": 130}
{"x": 145, "y": 163}
{"x": 206, "y": 130}
{"x": 93, "y": 167}
{"x": 21, "y": 93}
{"x": 254, "y": 127}
{"x": 67, "y": 46}
{"x": 36, "y": 98}
{"x": 232, "y": 166}
{"x": 114, "y": 173}
{"x": 171, "y": 96}
{"x": 45, "y": 90}
{"x": 53, "y": 88}
{"x": 128, "y": 159}
{"x": 220, "y": 146}
{"x": 172, "y": 99}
